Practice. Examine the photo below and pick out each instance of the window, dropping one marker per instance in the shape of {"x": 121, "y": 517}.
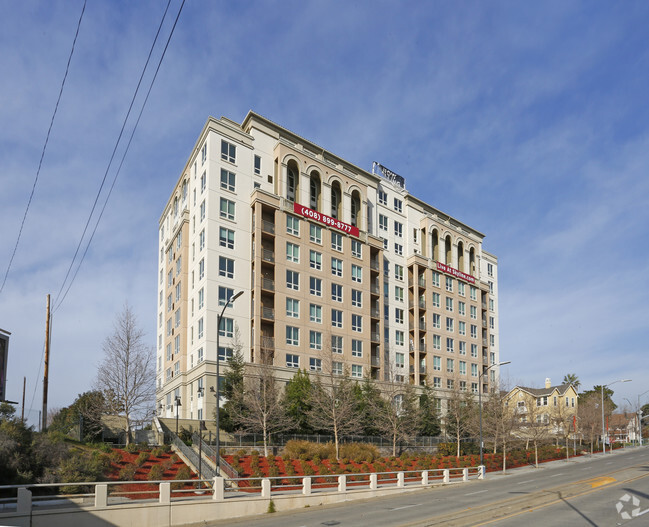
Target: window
{"x": 337, "y": 318}
{"x": 437, "y": 342}
{"x": 449, "y": 324}
{"x": 315, "y": 286}
{"x": 203, "y": 182}
{"x": 462, "y": 366}
{"x": 337, "y": 368}
{"x": 437, "y": 363}
{"x": 337, "y": 292}
{"x": 315, "y": 313}
{"x": 461, "y": 287}
{"x": 398, "y": 337}
{"x": 227, "y": 180}
{"x": 292, "y": 336}
{"x": 357, "y": 298}
{"x": 292, "y": 252}
{"x": 437, "y": 382}
{"x": 292, "y": 280}
{"x": 399, "y": 359}
{"x": 474, "y": 312}
{"x": 398, "y": 315}
{"x": 398, "y": 272}
{"x": 435, "y": 278}
{"x": 315, "y": 340}
{"x": 169, "y": 302}
{"x": 336, "y": 344}
{"x": 336, "y": 267}
{"x": 293, "y": 225}
{"x": 398, "y": 205}
{"x": 398, "y": 229}
{"x": 357, "y": 323}
{"x": 461, "y": 308}
{"x": 200, "y": 355}
{"x": 542, "y": 401}
{"x": 315, "y": 260}
{"x": 474, "y": 331}
{"x": 383, "y": 198}
{"x": 492, "y": 323}
{"x": 176, "y": 344}
{"x": 200, "y": 328}
{"x": 179, "y": 265}
{"x": 437, "y": 320}
{"x": 201, "y": 269}
{"x": 449, "y": 284}
{"x": 204, "y": 154}
{"x": 436, "y": 301}
{"x": 228, "y": 151}
{"x": 357, "y": 273}
{"x": 201, "y": 298}
{"x": 450, "y": 384}
{"x": 315, "y": 364}
{"x": 225, "y": 293}
{"x": 201, "y": 240}
{"x": 492, "y": 340}
{"x": 383, "y": 222}
{"x": 227, "y": 209}
{"x": 226, "y": 267}
{"x": 225, "y": 354}
{"x": 398, "y": 249}
{"x": 385, "y": 244}
{"x": 461, "y": 328}
{"x": 450, "y": 365}
{"x": 449, "y": 304}
{"x": 257, "y": 166}
{"x": 357, "y": 371}
{"x": 336, "y": 241}
{"x": 357, "y": 249}
{"x": 474, "y": 293}
{"x": 226, "y": 238}
{"x": 491, "y": 305}
{"x": 398, "y": 293}
{"x": 227, "y": 327}
{"x": 474, "y": 387}
{"x": 449, "y": 345}
{"x": 315, "y": 233}
{"x": 474, "y": 350}
{"x": 292, "y": 361}
{"x": 292, "y": 308}
{"x": 462, "y": 347}
{"x": 169, "y": 328}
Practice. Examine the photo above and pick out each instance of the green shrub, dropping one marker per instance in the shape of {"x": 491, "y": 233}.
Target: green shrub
{"x": 241, "y": 453}
{"x": 270, "y": 459}
{"x": 157, "y": 452}
{"x": 174, "y": 458}
{"x": 131, "y": 448}
{"x": 156, "y": 473}
{"x": 105, "y": 447}
{"x": 127, "y": 473}
{"x": 182, "y": 474}
{"x": 142, "y": 458}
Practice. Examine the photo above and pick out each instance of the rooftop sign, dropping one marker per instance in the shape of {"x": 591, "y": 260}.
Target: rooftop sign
{"x": 394, "y": 178}
{"x": 454, "y": 272}
{"x": 311, "y": 214}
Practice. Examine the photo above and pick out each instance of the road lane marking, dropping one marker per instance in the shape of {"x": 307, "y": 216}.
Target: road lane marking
{"x": 556, "y": 475}
{"x": 478, "y": 492}
{"x": 604, "y": 480}
{"x": 405, "y": 507}
{"x": 522, "y": 482}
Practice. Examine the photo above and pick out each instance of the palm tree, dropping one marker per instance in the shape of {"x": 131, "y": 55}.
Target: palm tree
{"x": 571, "y": 378}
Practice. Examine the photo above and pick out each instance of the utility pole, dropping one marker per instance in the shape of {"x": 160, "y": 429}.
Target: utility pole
{"x": 47, "y": 364}
{"x": 22, "y": 412}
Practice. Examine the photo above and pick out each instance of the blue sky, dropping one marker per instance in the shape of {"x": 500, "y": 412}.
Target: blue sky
{"x": 528, "y": 122}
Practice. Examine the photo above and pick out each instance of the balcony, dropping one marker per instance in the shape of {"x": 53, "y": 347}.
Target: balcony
{"x": 268, "y": 227}
{"x": 268, "y": 255}
{"x": 374, "y": 265}
{"x": 376, "y": 362}
{"x": 376, "y": 337}
{"x": 422, "y": 369}
{"x": 267, "y": 344}
{"x": 268, "y": 284}
{"x": 267, "y": 313}
{"x": 375, "y": 288}
{"x": 375, "y": 312}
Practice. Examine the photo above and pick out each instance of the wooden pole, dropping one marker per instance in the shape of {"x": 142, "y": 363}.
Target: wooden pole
{"x": 47, "y": 366}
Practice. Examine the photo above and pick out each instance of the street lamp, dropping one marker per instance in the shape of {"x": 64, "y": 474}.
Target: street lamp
{"x": 639, "y": 414}
{"x": 218, "y": 396}
{"x": 603, "y": 430}
{"x": 177, "y": 401}
{"x": 627, "y": 429}
{"x": 480, "y": 375}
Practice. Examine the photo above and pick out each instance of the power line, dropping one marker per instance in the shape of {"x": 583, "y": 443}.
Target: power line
{"x": 124, "y": 154}
{"x": 110, "y": 162}
{"x": 47, "y": 138}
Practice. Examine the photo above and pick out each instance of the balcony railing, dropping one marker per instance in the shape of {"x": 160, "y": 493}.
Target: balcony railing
{"x": 267, "y": 343}
{"x": 375, "y": 312}
{"x": 375, "y": 336}
{"x": 376, "y": 362}
{"x": 374, "y": 265}
{"x": 267, "y": 255}
{"x": 268, "y": 226}
{"x": 268, "y": 284}
{"x": 268, "y": 313}
{"x": 375, "y": 288}
{"x": 422, "y": 325}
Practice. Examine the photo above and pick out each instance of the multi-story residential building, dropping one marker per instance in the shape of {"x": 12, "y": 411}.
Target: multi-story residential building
{"x": 335, "y": 262}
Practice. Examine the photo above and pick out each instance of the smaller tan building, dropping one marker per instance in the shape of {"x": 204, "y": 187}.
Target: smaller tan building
{"x": 554, "y": 406}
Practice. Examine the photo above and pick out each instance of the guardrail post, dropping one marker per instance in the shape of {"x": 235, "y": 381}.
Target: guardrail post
{"x": 165, "y": 493}
{"x": 374, "y": 481}
{"x": 447, "y": 475}
{"x": 400, "y": 479}
{"x": 101, "y": 495}
{"x": 219, "y": 488}
{"x": 265, "y": 488}
{"x": 465, "y": 474}
{"x": 24, "y": 505}
{"x": 424, "y": 477}
{"x": 481, "y": 471}
{"x": 306, "y": 486}
{"x": 342, "y": 483}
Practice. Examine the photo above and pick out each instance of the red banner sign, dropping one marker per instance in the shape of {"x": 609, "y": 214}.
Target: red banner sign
{"x": 454, "y": 272}
{"x": 306, "y": 212}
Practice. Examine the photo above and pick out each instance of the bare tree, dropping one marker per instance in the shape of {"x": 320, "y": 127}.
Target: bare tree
{"x": 499, "y": 420}
{"x": 461, "y": 408}
{"x": 126, "y": 374}
{"x": 563, "y": 419}
{"x": 536, "y": 427}
{"x": 259, "y": 400}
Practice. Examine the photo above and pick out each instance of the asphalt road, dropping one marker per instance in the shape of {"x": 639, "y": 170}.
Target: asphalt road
{"x": 598, "y": 491}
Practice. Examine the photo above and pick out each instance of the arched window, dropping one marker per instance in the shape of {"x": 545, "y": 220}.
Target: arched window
{"x": 292, "y": 181}
{"x": 434, "y": 242}
{"x": 314, "y": 191}
{"x": 356, "y": 208}
{"x": 472, "y": 261}
{"x": 336, "y": 196}
{"x": 176, "y": 206}
{"x": 460, "y": 256}
{"x": 449, "y": 248}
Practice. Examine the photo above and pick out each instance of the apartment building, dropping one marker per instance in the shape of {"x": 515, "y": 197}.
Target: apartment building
{"x": 341, "y": 268}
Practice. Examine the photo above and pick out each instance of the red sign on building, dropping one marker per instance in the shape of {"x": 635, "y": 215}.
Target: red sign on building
{"x": 454, "y": 272}
{"x": 306, "y": 212}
